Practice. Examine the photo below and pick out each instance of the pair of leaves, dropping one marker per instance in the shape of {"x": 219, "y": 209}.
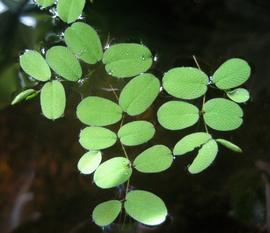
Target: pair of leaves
{"x": 207, "y": 152}
{"x": 127, "y": 60}
{"x": 143, "y": 206}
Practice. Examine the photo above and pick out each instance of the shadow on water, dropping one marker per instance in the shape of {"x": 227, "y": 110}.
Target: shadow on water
{"x": 40, "y": 188}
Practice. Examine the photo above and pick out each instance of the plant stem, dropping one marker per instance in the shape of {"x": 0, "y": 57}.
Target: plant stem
{"x": 204, "y": 96}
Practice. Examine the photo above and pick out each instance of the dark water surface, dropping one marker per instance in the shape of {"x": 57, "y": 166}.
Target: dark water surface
{"x": 41, "y": 190}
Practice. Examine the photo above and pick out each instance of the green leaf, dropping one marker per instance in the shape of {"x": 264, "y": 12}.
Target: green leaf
{"x": 145, "y": 207}
{"x": 231, "y": 73}
{"x": 53, "y": 100}
{"x": 229, "y": 145}
{"x": 84, "y": 41}
{"x": 45, "y": 3}
{"x": 98, "y": 111}
{"x": 185, "y": 82}
{"x": 139, "y": 94}
{"x": 97, "y": 138}
{"x": 205, "y": 157}
{"x": 136, "y": 133}
{"x": 23, "y": 96}
{"x": 191, "y": 142}
{"x": 70, "y": 10}
{"x": 127, "y": 60}
{"x": 106, "y": 212}
{"x": 112, "y": 173}
{"x": 89, "y": 162}
{"x": 35, "y": 65}
{"x": 157, "y": 158}
{"x": 239, "y": 95}
{"x": 64, "y": 63}
{"x": 222, "y": 114}
{"x": 176, "y": 115}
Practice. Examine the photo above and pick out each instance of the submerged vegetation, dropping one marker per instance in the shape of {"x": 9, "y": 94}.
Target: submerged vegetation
{"x": 131, "y": 61}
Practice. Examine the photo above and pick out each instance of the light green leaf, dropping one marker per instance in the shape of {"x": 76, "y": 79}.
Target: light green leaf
{"x": 145, "y": 207}
{"x": 239, "y": 95}
{"x": 139, "y": 94}
{"x": 157, "y": 158}
{"x": 64, "y": 63}
{"x": 70, "y": 10}
{"x": 84, "y": 41}
{"x": 106, "y": 212}
{"x": 205, "y": 157}
{"x": 23, "y": 96}
{"x": 97, "y": 111}
{"x": 222, "y": 114}
{"x": 112, "y": 173}
{"x": 89, "y": 162}
{"x": 191, "y": 142}
{"x": 53, "y": 100}
{"x": 127, "y": 60}
{"x": 176, "y": 115}
{"x": 97, "y": 138}
{"x": 45, "y": 3}
{"x": 185, "y": 82}
{"x": 35, "y": 65}
{"x": 231, "y": 73}
{"x": 229, "y": 145}
{"x": 136, "y": 133}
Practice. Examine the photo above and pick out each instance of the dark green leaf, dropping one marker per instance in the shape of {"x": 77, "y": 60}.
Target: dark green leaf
{"x": 176, "y": 115}
{"x": 127, "y": 60}
{"x": 185, "y": 82}
{"x": 97, "y": 111}
{"x": 84, "y": 41}
{"x": 64, "y": 63}
{"x": 136, "y": 133}
{"x": 157, "y": 158}
{"x": 145, "y": 207}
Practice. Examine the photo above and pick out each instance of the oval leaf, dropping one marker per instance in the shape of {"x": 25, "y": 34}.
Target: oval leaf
{"x": 136, "y": 133}
{"x": 239, "y": 95}
{"x": 64, "y": 63}
{"x": 176, "y": 115}
{"x": 139, "y": 94}
{"x": 53, "y": 100}
{"x": 112, "y": 173}
{"x": 23, "y": 96}
{"x": 98, "y": 111}
{"x": 84, "y": 41}
{"x": 191, "y": 142}
{"x": 97, "y": 138}
{"x": 89, "y": 162}
{"x": 157, "y": 158}
{"x": 70, "y": 10}
{"x": 185, "y": 82}
{"x": 222, "y": 114}
{"x": 229, "y": 145}
{"x": 45, "y": 3}
{"x": 106, "y": 212}
{"x": 145, "y": 207}
{"x": 127, "y": 60}
{"x": 205, "y": 157}
{"x": 231, "y": 73}
{"x": 35, "y": 65}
